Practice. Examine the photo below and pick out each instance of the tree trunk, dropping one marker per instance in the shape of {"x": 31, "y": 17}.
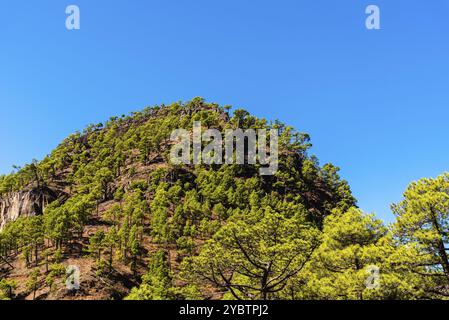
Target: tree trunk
{"x": 110, "y": 259}
{"x": 36, "y": 255}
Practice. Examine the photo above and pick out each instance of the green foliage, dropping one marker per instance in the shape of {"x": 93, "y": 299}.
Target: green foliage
{"x": 422, "y": 234}
{"x": 96, "y": 244}
{"x": 56, "y": 271}
{"x": 351, "y": 242}
{"x": 58, "y": 256}
{"x": 255, "y": 254}
{"x": 7, "y": 288}
{"x": 156, "y": 283}
{"x": 33, "y": 282}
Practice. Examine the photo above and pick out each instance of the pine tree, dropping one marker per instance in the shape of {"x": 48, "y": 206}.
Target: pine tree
{"x": 422, "y": 230}
{"x": 156, "y": 283}
{"x": 33, "y": 282}
{"x": 7, "y": 288}
{"x": 255, "y": 254}
{"x": 339, "y": 268}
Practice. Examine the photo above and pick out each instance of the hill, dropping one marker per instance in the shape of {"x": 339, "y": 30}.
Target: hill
{"x": 117, "y": 178}
{"x": 107, "y": 215}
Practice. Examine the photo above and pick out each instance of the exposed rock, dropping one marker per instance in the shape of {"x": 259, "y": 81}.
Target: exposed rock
{"x": 26, "y": 203}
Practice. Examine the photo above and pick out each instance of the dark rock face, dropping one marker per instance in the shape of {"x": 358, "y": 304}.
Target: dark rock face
{"x": 27, "y": 203}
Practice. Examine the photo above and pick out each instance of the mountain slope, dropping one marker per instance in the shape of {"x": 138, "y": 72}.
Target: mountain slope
{"x": 109, "y": 201}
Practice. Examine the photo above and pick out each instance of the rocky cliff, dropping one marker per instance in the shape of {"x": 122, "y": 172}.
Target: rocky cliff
{"x": 25, "y": 203}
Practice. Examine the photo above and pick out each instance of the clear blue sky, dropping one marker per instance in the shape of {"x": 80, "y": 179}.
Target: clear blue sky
{"x": 374, "y": 102}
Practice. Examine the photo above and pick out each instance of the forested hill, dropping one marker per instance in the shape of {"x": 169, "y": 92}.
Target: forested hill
{"x": 109, "y": 202}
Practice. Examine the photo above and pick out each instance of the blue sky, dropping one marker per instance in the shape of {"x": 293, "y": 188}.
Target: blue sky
{"x": 374, "y": 102}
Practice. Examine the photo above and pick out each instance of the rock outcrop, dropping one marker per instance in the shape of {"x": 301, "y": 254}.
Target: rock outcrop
{"x": 25, "y": 203}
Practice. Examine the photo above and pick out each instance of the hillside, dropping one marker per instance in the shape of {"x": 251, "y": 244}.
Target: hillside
{"x": 109, "y": 202}
{"x": 116, "y": 178}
